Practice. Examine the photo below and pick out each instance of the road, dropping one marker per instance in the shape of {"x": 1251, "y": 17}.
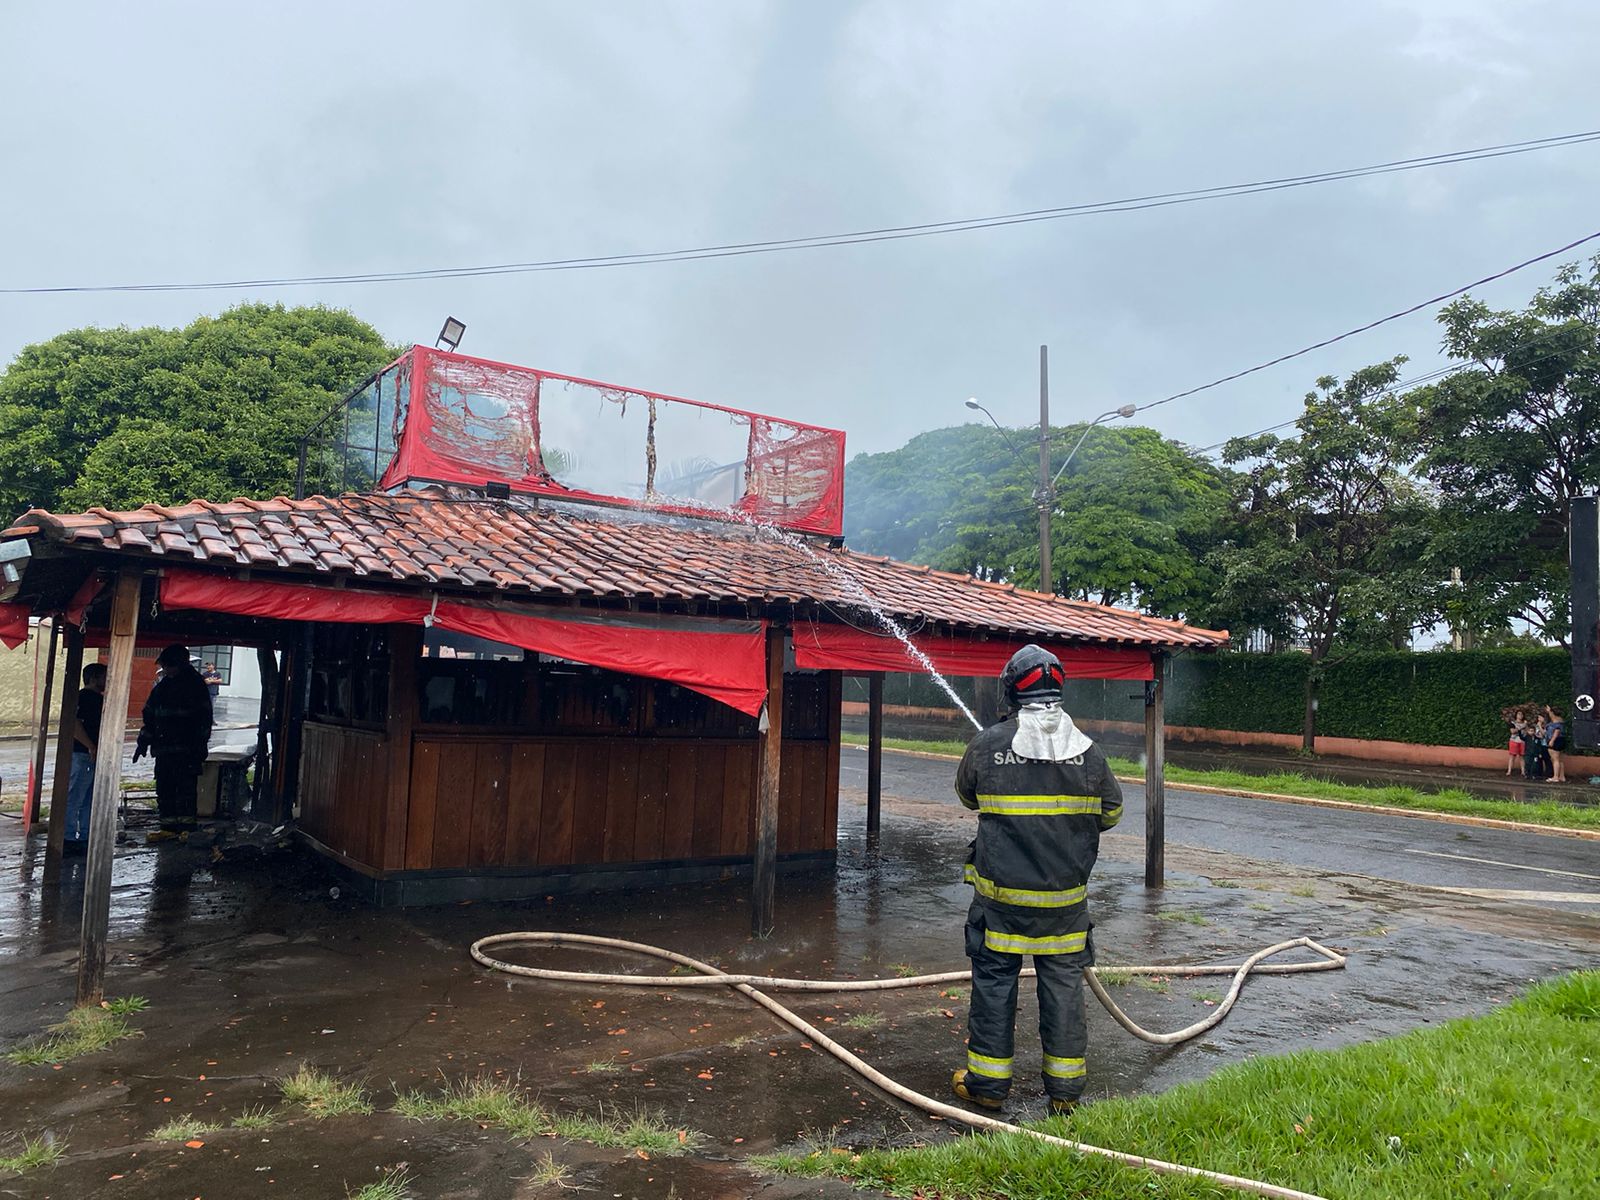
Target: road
{"x": 1490, "y": 864}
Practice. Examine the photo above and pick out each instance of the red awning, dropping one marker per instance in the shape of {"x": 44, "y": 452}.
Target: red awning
{"x": 725, "y": 660}
{"x": 14, "y": 624}
{"x": 844, "y": 648}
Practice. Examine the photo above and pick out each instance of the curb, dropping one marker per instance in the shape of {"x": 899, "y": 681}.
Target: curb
{"x": 1588, "y": 835}
{"x": 1591, "y": 835}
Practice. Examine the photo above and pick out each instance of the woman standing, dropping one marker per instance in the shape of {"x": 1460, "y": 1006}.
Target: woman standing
{"x": 1514, "y": 748}
{"x": 1556, "y": 738}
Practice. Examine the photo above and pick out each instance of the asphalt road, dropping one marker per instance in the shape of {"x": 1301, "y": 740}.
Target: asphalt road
{"x": 1491, "y": 864}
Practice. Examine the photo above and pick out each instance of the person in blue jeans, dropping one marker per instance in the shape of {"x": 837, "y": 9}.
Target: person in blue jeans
{"x": 85, "y": 739}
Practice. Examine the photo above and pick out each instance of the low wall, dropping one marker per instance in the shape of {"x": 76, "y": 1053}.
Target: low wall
{"x": 1467, "y": 757}
{"x": 18, "y": 708}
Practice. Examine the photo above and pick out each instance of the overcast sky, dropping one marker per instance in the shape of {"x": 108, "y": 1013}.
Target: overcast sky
{"x": 161, "y": 142}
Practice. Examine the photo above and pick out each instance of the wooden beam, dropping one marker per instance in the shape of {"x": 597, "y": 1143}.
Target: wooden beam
{"x": 405, "y": 648}
{"x": 107, "y": 791}
{"x": 30, "y": 802}
{"x": 874, "y": 753}
{"x": 70, "y": 682}
{"x": 769, "y": 762}
{"x": 1155, "y": 774}
{"x": 261, "y": 806}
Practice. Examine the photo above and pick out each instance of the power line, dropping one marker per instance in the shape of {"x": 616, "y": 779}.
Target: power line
{"x": 858, "y": 237}
{"x": 1404, "y": 385}
{"x": 1370, "y": 325}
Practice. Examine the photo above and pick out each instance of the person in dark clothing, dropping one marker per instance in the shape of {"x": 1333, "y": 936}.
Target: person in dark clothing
{"x": 177, "y": 731}
{"x": 85, "y": 743}
{"x": 1044, "y": 793}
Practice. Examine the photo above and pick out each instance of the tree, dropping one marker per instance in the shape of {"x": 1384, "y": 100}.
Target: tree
{"x": 1508, "y": 442}
{"x": 1330, "y": 528}
{"x": 1135, "y": 518}
{"x": 122, "y": 417}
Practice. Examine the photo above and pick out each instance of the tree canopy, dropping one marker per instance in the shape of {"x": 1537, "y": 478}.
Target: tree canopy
{"x": 123, "y": 417}
{"x": 1507, "y": 443}
{"x": 1134, "y": 519}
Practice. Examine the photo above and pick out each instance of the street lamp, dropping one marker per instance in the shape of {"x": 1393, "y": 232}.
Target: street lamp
{"x": 1127, "y": 410}
{"x": 1045, "y": 495}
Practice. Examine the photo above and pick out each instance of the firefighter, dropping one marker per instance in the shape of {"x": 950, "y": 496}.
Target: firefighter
{"x": 177, "y": 730}
{"x": 1044, "y": 794}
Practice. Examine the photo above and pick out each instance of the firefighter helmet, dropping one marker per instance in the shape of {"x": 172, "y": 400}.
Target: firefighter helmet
{"x": 1033, "y": 676}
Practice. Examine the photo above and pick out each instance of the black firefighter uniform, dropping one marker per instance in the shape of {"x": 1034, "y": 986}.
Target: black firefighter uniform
{"x": 1039, "y": 826}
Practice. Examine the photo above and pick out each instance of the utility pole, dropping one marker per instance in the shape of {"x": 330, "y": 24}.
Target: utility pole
{"x": 1046, "y": 580}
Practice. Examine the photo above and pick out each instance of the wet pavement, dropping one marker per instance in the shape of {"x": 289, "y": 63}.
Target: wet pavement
{"x": 254, "y": 963}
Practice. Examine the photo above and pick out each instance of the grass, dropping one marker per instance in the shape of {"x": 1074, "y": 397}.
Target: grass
{"x": 1291, "y": 783}
{"x": 1304, "y": 890}
{"x": 395, "y": 1185}
{"x": 602, "y": 1066}
{"x": 83, "y": 1032}
{"x": 547, "y": 1172}
{"x": 123, "y": 1006}
{"x": 642, "y": 1130}
{"x": 864, "y": 1020}
{"x": 1494, "y": 1105}
{"x": 1186, "y": 915}
{"x": 35, "y": 1152}
{"x": 490, "y": 1102}
{"x": 255, "y": 1118}
{"x": 183, "y": 1129}
{"x": 321, "y": 1095}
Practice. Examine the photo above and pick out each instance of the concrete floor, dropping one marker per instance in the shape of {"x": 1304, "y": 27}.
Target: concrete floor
{"x": 253, "y": 965}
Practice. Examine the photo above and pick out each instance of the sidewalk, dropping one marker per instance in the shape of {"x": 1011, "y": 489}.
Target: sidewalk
{"x": 1491, "y": 785}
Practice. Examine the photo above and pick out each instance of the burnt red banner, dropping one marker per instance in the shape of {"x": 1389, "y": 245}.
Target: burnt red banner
{"x": 844, "y": 648}
{"x": 725, "y": 660}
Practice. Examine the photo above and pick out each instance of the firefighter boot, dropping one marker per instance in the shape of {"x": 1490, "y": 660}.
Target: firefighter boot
{"x": 958, "y": 1085}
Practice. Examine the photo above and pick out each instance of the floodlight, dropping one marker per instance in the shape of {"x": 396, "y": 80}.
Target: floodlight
{"x": 451, "y": 334}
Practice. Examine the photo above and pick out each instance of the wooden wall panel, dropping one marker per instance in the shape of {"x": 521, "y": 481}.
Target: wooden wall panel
{"x": 677, "y": 819}
{"x": 708, "y": 787}
{"x": 491, "y": 774}
{"x": 501, "y": 802}
{"x": 343, "y": 788}
{"x": 593, "y": 777}
{"x": 424, "y": 799}
{"x": 560, "y": 788}
{"x": 649, "y": 830}
{"x": 452, "y": 813}
{"x": 525, "y": 803}
{"x": 621, "y": 802}
{"x": 738, "y": 799}
{"x": 791, "y": 795}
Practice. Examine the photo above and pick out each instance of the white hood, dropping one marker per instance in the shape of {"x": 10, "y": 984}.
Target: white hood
{"x": 1046, "y": 733}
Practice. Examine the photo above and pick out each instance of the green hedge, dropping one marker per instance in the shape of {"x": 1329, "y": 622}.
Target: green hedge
{"x": 1441, "y": 697}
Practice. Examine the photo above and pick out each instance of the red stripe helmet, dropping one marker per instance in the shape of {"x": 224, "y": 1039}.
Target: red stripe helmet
{"x": 1033, "y": 676}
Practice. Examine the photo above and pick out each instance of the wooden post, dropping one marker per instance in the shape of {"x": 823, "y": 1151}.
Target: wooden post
{"x": 73, "y": 673}
{"x": 1155, "y": 767}
{"x": 405, "y": 647}
{"x": 874, "y": 753}
{"x": 30, "y": 802}
{"x": 107, "y": 790}
{"x": 268, "y": 740}
{"x": 769, "y": 765}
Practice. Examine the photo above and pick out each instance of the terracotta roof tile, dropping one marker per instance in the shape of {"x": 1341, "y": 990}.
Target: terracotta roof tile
{"x": 422, "y": 539}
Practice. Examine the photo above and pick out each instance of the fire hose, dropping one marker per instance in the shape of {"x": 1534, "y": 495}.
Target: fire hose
{"x": 710, "y": 976}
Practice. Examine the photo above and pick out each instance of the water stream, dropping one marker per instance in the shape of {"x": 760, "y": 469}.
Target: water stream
{"x": 839, "y": 574}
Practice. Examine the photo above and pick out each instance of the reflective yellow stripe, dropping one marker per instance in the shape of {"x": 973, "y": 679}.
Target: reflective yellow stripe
{"x": 1111, "y": 816}
{"x": 990, "y": 890}
{"x": 982, "y": 1064}
{"x": 1038, "y": 806}
{"x": 1015, "y": 943}
{"x": 1063, "y": 1068}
